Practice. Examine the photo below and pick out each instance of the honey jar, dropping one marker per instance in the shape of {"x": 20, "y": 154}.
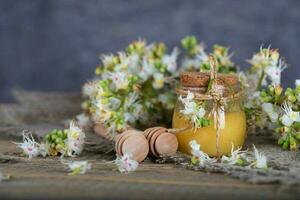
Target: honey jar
{"x": 223, "y": 124}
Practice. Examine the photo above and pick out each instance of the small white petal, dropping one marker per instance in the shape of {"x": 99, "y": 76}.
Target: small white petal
{"x": 286, "y": 120}
{"x": 125, "y": 163}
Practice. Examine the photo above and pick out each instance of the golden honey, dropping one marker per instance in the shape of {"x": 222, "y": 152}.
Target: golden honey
{"x": 234, "y": 134}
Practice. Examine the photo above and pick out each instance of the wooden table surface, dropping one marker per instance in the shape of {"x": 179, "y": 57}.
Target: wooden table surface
{"x": 47, "y": 178}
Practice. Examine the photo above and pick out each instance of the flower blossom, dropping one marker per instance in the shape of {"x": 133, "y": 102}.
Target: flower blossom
{"x": 297, "y": 82}
{"x": 44, "y": 149}
{"x": 270, "y": 110}
{"x": 125, "y": 163}
{"x": 29, "y": 146}
{"x": 83, "y": 120}
{"x": 119, "y": 80}
{"x": 192, "y": 111}
{"x": 260, "y": 160}
{"x": 75, "y": 140}
{"x": 90, "y": 89}
{"x": 274, "y": 72}
{"x": 107, "y": 59}
{"x": 290, "y": 116}
{"x": 170, "y": 60}
{"x": 147, "y": 69}
{"x": 237, "y": 157}
{"x": 77, "y": 167}
{"x": 199, "y": 156}
{"x": 159, "y": 81}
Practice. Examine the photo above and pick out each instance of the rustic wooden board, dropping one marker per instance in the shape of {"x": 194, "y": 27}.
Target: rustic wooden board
{"x": 46, "y": 177}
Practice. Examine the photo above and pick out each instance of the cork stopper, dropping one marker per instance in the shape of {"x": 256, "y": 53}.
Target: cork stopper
{"x": 133, "y": 142}
{"x": 201, "y": 79}
{"x": 198, "y": 83}
{"x": 161, "y": 142}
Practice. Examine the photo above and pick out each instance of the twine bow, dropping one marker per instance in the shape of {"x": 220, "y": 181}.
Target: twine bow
{"x": 218, "y": 110}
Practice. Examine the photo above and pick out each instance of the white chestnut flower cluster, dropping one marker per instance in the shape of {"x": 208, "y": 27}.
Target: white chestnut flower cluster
{"x": 193, "y": 112}
{"x": 133, "y": 87}
{"x": 69, "y": 142}
{"x": 237, "y": 157}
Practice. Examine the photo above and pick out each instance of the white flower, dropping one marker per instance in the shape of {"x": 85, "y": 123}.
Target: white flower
{"x": 290, "y": 116}
{"x": 243, "y": 78}
{"x": 29, "y": 146}
{"x": 75, "y": 140}
{"x": 170, "y": 60}
{"x": 269, "y": 109}
{"x": 202, "y": 157}
{"x": 158, "y": 82}
{"x": 125, "y": 163}
{"x": 190, "y": 108}
{"x": 261, "y": 58}
{"x": 260, "y": 159}
{"x": 44, "y": 149}
{"x": 253, "y": 100}
{"x": 77, "y": 167}
{"x": 147, "y": 70}
{"x": 137, "y": 110}
{"x": 129, "y": 117}
{"x": 201, "y": 55}
{"x": 274, "y": 72}
{"x": 191, "y": 64}
{"x": 201, "y": 112}
{"x": 107, "y": 59}
{"x": 133, "y": 64}
{"x": 120, "y": 80}
{"x": 83, "y": 120}
{"x": 90, "y": 89}
{"x": 189, "y": 97}
{"x": 192, "y": 111}
{"x": 114, "y": 103}
{"x": 131, "y": 100}
{"x": 194, "y": 145}
{"x": 99, "y": 107}
{"x": 297, "y": 82}
{"x": 195, "y": 62}
{"x": 235, "y": 156}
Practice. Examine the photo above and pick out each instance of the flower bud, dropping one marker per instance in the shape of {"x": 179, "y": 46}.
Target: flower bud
{"x": 263, "y": 93}
{"x": 275, "y": 55}
{"x": 278, "y": 90}
{"x": 271, "y": 90}
{"x": 292, "y": 98}
{"x": 98, "y": 71}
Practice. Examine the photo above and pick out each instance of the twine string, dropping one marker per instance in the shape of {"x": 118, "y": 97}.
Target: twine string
{"x": 218, "y": 110}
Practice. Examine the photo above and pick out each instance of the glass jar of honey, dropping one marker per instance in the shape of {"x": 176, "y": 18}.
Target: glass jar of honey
{"x": 218, "y": 121}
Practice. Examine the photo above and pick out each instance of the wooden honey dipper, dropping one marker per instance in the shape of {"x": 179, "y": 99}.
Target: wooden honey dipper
{"x": 161, "y": 142}
{"x": 133, "y": 142}
{"x": 130, "y": 141}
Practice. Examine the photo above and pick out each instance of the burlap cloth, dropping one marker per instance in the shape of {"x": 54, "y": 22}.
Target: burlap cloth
{"x": 40, "y": 112}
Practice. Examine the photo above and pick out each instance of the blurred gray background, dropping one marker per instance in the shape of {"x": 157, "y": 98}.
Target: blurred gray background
{"x": 54, "y": 45}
